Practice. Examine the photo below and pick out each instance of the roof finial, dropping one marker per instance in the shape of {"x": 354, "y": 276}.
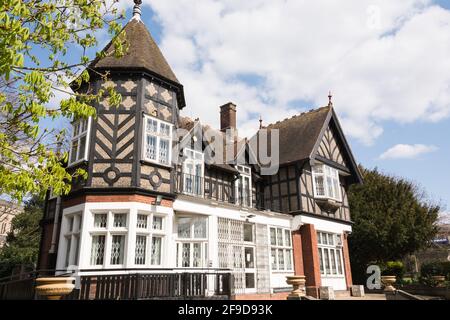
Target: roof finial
{"x": 137, "y": 9}
{"x": 330, "y": 96}
{"x": 260, "y": 122}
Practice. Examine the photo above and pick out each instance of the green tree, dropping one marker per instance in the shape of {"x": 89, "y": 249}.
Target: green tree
{"x": 22, "y": 243}
{"x": 45, "y": 46}
{"x": 392, "y": 218}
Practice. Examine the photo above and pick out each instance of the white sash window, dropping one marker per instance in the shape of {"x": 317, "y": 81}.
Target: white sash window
{"x": 157, "y": 141}
{"x": 193, "y": 171}
{"x": 80, "y": 141}
{"x": 330, "y": 254}
{"x": 192, "y": 242}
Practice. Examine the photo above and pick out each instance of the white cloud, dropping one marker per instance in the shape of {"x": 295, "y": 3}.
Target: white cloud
{"x": 407, "y": 151}
{"x": 383, "y": 59}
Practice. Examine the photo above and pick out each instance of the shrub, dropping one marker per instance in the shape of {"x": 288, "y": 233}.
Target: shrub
{"x": 435, "y": 269}
{"x": 393, "y": 268}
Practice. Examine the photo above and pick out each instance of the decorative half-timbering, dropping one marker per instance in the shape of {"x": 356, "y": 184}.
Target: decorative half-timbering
{"x": 156, "y": 199}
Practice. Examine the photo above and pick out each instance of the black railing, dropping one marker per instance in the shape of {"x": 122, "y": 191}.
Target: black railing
{"x": 132, "y": 284}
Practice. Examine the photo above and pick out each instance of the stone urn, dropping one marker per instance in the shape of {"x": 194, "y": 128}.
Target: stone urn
{"x": 439, "y": 280}
{"x": 298, "y": 284}
{"x": 55, "y": 287}
{"x": 388, "y": 282}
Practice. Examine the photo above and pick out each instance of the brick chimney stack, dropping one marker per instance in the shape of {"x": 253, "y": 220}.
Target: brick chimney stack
{"x": 228, "y": 117}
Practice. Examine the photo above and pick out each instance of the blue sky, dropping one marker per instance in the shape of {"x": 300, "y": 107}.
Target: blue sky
{"x": 382, "y": 59}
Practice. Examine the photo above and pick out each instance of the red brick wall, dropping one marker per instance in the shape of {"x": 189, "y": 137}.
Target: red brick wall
{"x": 115, "y": 198}
{"x": 310, "y": 259}
{"x": 348, "y": 271}
{"x": 44, "y": 261}
{"x": 298, "y": 253}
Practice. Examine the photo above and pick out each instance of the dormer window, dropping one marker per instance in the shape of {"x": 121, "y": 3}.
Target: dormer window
{"x": 157, "y": 141}
{"x": 326, "y": 182}
{"x": 193, "y": 169}
{"x": 79, "y": 142}
{"x": 244, "y": 186}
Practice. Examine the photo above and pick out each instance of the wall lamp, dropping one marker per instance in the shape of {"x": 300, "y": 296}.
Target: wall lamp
{"x": 157, "y": 200}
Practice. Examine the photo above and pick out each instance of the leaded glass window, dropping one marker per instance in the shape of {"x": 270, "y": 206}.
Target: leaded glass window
{"x": 281, "y": 249}
{"x": 157, "y": 223}
{"x": 140, "y": 250}
{"x": 117, "y": 249}
{"x": 120, "y": 220}
{"x": 97, "y": 250}
{"x": 100, "y": 220}
{"x": 330, "y": 253}
{"x": 156, "y": 251}
{"x": 78, "y": 149}
{"x": 141, "y": 222}
{"x": 326, "y": 182}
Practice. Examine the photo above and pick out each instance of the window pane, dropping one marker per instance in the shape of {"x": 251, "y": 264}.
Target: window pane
{"x": 165, "y": 129}
{"x": 76, "y": 128}
{"x": 248, "y": 232}
{"x": 117, "y": 249}
{"x": 156, "y": 251}
{"x": 281, "y": 259}
{"x": 330, "y": 239}
{"x": 197, "y": 255}
{"x": 339, "y": 261}
{"x": 120, "y": 220}
{"x": 150, "y": 147}
{"x": 100, "y": 220}
{"x": 152, "y": 126}
{"x": 318, "y": 169}
{"x": 185, "y": 255}
{"x": 327, "y": 261}
{"x": 288, "y": 254}
{"x": 141, "y": 245}
{"x": 333, "y": 261}
{"x": 200, "y": 228}
{"x": 97, "y": 250}
{"x": 69, "y": 242}
{"x": 77, "y": 249}
{"x": 319, "y": 237}
{"x": 157, "y": 223}
{"x": 273, "y": 256}
{"x": 73, "y": 153}
{"x": 82, "y": 148}
{"x": 164, "y": 151}
{"x": 321, "y": 260}
{"x": 324, "y": 238}
{"x": 249, "y": 258}
{"x": 184, "y": 228}
{"x": 287, "y": 238}
{"x": 70, "y": 223}
{"x": 279, "y": 237}
{"x": 273, "y": 236}
{"x": 320, "y": 189}
{"x": 141, "y": 221}
{"x": 336, "y": 188}
{"x": 330, "y": 188}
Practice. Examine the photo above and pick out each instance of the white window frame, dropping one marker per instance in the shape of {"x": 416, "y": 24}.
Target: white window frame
{"x": 204, "y": 244}
{"x": 327, "y": 173}
{"x": 149, "y": 233}
{"x": 72, "y": 238}
{"x": 283, "y": 247}
{"x": 194, "y": 161}
{"x": 77, "y": 138}
{"x": 244, "y": 172}
{"x": 158, "y": 137}
{"x": 109, "y": 231}
{"x": 335, "y": 246}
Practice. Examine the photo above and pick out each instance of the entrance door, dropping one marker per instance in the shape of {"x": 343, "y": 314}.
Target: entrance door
{"x": 250, "y": 269}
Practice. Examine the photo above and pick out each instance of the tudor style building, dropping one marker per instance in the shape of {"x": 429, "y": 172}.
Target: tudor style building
{"x": 141, "y": 211}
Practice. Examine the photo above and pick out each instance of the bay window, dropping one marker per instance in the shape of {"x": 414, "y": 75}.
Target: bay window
{"x": 192, "y": 242}
{"x": 157, "y": 140}
{"x": 244, "y": 186}
{"x": 330, "y": 254}
{"x": 280, "y": 249}
{"x": 79, "y": 143}
{"x": 326, "y": 182}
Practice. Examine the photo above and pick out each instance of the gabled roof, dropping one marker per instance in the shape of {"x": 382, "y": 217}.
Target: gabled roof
{"x": 143, "y": 53}
{"x": 299, "y": 134}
